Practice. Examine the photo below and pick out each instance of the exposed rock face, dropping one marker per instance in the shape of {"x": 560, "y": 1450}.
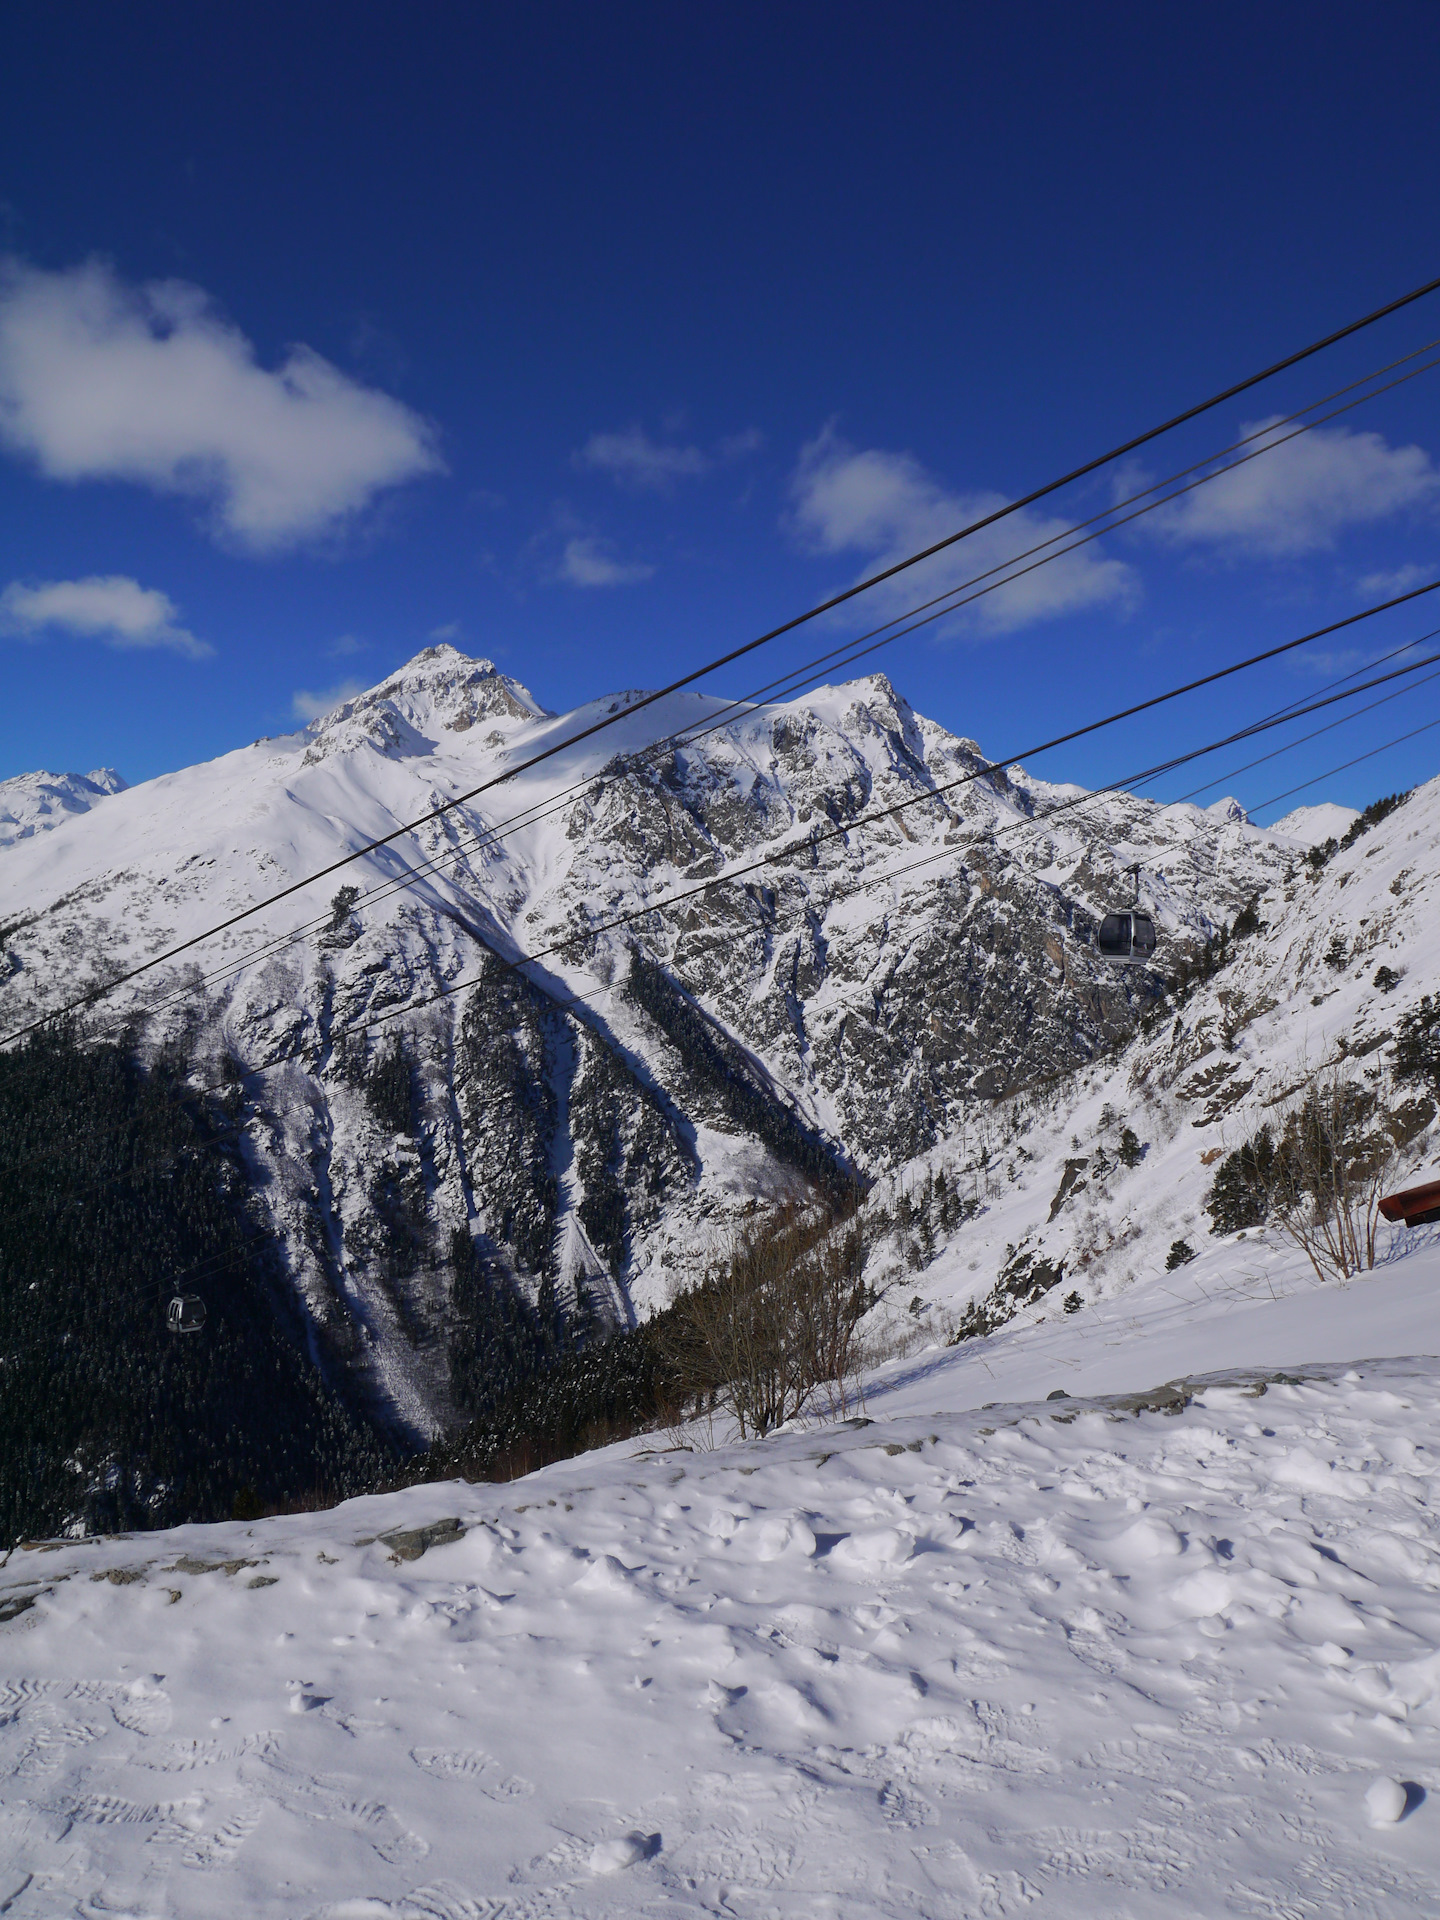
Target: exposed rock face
{"x": 591, "y": 1123}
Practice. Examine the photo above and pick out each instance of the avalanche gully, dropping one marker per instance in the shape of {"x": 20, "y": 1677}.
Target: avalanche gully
{"x": 1115, "y": 1595}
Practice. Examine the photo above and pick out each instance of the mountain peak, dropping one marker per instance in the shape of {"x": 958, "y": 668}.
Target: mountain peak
{"x": 440, "y": 690}
{"x": 456, "y": 683}
{"x": 1228, "y": 811}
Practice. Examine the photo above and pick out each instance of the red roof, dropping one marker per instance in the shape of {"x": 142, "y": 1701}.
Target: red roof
{"x": 1412, "y": 1202}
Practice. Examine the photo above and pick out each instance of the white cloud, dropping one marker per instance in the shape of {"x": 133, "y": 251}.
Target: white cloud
{"x": 450, "y": 631}
{"x": 100, "y": 381}
{"x": 635, "y": 460}
{"x": 570, "y": 551}
{"x": 345, "y": 646}
{"x": 310, "y": 706}
{"x": 586, "y": 561}
{"x": 1299, "y": 497}
{"x": 1390, "y": 585}
{"x": 886, "y": 506}
{"x": 109, "y": 607}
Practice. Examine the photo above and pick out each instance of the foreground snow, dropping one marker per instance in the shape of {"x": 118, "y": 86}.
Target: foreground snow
{"x": 1070, "y": 1657}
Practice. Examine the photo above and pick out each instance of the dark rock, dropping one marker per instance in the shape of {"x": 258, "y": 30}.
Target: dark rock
{"x": 409, "y": 1543}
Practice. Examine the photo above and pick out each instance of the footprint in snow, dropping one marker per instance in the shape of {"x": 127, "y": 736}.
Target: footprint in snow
{"x": 472, "y": 1764}
{"x": 441, "y": 1900}
{"x": 614, "y": 1856}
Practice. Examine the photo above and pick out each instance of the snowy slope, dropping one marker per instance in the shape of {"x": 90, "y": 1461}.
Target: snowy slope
{"x": 864, "y": 995}
{"x": 1311, "y": 826}
{"x": 1169, "y": 1654}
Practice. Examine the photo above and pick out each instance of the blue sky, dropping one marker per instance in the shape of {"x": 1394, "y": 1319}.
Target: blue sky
{"x": 600, "y": 339}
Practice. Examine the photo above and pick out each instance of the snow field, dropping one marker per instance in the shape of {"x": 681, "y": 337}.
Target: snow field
{"x": 1062, "y": 1657}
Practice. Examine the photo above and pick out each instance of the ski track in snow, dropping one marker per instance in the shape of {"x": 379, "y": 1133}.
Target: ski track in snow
{"x": 1054, "y": 1657}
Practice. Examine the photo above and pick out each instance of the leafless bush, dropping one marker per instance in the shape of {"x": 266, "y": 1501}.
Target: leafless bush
{"x": 772, "y": 1328}
{"x": 1333, "y": 1162}
{"x": 902, "y": 1337}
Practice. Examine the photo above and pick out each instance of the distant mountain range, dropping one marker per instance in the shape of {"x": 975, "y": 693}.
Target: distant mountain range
{"x": 33, "y": 803}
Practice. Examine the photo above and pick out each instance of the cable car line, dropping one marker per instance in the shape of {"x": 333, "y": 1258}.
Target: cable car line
{"x": 988, "y": 768}
{"x": 1291, "y": 745}
{"x": 811, "y": 613}
{"x": 983, "y": 771}
{"x": 1065, "y": 806}
{"x": 1128, "y": 781}
{"x": 1121, "y": 786}
{"x": 1113, "y": 524}
{"x": 1340, "y": 680}
{"x": 187, "y": 1312}
{"x": 1345, "y": 765}
{"x": 844, "y": 655}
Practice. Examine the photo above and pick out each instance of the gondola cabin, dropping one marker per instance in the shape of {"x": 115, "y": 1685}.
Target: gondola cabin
{"x": 1127, "y": 939}
{"x": 186, "y": 1313}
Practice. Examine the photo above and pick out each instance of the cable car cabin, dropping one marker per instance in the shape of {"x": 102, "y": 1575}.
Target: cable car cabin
{"x": 1127, "y": 939}
{"x": 187, "y": 1313}
{"x": 1416, "y": 1206}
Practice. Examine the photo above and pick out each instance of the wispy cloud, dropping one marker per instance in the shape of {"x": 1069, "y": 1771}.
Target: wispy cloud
{"x": 109, "y": 607}
{"x": 633, "y": 459}
{"x": 346, "y": 646}
{"x": 636, "y": 461}
{"x": 1390, "y": 585}
{"x": 886, "y": 506}
{"x": 1331, "y": 665}
{"x": 1301, "y": 496}
{"x": 450, "y": 631}
{"x": 586, "y": 560}
{"x": 571, "y": 551}
{"x": 310, "y": 706}
{"x": 152, "y": 384}
{"x": 1347, "y": 661}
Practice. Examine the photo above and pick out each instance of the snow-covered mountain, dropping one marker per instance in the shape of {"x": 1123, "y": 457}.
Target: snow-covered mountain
{"x": 602, "y": 1116}
{"x": 32, "y": 803}
{"x": 1312, "y": 826}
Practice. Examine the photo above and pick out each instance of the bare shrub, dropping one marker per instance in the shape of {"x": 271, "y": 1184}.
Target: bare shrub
{"x": 1331, "y": 1166}
{"x": 772, "y": 1329}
